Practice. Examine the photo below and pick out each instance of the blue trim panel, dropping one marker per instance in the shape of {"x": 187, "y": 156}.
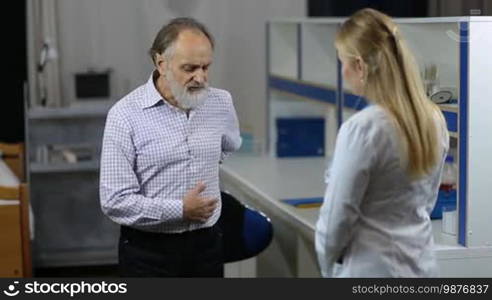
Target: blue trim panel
{"x": 316, "y": 93}
{"x": 304, "y": 90}
{"x": 354, "y": 101}
{"x": 463, "y": 125}
{"x": 451, "y": 120}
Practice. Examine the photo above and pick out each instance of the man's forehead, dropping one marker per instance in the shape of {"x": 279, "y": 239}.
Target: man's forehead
{"x": 192, "y": 48}
{"x": 190, "y": 39}
{"x": 182, "y": 59}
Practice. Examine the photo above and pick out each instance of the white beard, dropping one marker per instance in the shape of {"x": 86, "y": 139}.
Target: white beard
{"x": 184, "y": 98}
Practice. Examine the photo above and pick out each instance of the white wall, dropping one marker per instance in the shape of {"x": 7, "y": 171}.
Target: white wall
{"x": 118, "y": 33}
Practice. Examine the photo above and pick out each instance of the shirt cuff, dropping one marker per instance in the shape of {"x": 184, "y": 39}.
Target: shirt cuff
{"x": 166, "y": 210}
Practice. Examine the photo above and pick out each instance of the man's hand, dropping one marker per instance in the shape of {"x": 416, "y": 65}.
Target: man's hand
{"x": 197, "y": 208}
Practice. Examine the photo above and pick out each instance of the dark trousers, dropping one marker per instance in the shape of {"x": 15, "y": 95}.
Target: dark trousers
{"x": 197, "y": 253}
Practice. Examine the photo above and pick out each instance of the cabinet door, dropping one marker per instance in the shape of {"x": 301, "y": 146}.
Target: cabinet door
{"x": 10, "y": 240}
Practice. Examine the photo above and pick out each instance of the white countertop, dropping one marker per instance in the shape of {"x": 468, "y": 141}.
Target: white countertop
{"x": 280, "y": 178}
{"x": 269, "y": 180}
{"x": 266, "y": 180}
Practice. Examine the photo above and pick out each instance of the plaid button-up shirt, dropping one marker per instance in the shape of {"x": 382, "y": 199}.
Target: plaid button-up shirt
{"x": 153, "y": 154}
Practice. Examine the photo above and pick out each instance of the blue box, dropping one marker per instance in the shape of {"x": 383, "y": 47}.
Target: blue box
{"x": 451, "y": 120}
{"x": 444, "y": 199}
{"x": 300, "y": 137}
{"x": 304, "y": 202}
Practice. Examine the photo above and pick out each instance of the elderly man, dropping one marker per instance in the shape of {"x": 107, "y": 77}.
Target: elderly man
{"x": 160, "y": 160}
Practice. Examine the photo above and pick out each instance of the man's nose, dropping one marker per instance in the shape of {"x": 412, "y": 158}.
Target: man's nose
{"x": 200, "y": 76}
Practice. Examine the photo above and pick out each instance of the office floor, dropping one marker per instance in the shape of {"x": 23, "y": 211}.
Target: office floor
{"x": 84, "y": 271}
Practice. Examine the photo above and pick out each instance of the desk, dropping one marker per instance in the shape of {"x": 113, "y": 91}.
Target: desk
{"x": 262, "y": 181}
{"x": 267, "y": 180}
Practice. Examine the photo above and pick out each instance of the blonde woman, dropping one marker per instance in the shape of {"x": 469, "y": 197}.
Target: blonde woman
{"x": 385, "y": 174}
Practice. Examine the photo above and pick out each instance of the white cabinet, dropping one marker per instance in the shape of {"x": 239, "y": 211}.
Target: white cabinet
{"x": 304, "y": 79}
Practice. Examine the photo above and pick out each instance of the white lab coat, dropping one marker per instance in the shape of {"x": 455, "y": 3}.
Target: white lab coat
{"x": 373, "y": 214}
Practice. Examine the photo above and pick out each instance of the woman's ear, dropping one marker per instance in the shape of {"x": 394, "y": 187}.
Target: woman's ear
{"x": 360, "y": 67}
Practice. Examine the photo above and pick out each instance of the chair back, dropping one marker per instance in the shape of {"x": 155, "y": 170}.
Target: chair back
{"x": 246, "y": 232}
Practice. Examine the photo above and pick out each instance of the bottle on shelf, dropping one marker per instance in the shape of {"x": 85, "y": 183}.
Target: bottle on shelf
{"x": 449, "y": 175}
{"x": 446, "y": 199}
{"x": 448, "y": 188}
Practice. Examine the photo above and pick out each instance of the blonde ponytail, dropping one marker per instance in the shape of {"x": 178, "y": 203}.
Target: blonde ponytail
{"x": 393, "y": 81}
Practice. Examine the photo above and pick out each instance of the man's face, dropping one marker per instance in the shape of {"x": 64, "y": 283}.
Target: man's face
{"x": 186, "y": 69}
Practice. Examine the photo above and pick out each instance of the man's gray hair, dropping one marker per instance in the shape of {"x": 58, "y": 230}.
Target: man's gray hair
{"x": 170, "y": 32}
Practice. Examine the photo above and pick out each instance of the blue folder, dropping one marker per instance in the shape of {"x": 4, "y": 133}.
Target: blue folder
{"x": 304, "y": 202}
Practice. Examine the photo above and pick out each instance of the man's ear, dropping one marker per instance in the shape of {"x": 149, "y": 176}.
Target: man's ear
{"x": 161, "y": 63}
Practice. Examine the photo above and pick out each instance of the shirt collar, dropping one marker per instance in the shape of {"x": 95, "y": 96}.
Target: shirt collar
{"x": 152, "y": 96}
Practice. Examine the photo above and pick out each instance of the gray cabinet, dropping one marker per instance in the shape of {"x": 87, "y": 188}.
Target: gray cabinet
{"x": 70, "y": 228}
